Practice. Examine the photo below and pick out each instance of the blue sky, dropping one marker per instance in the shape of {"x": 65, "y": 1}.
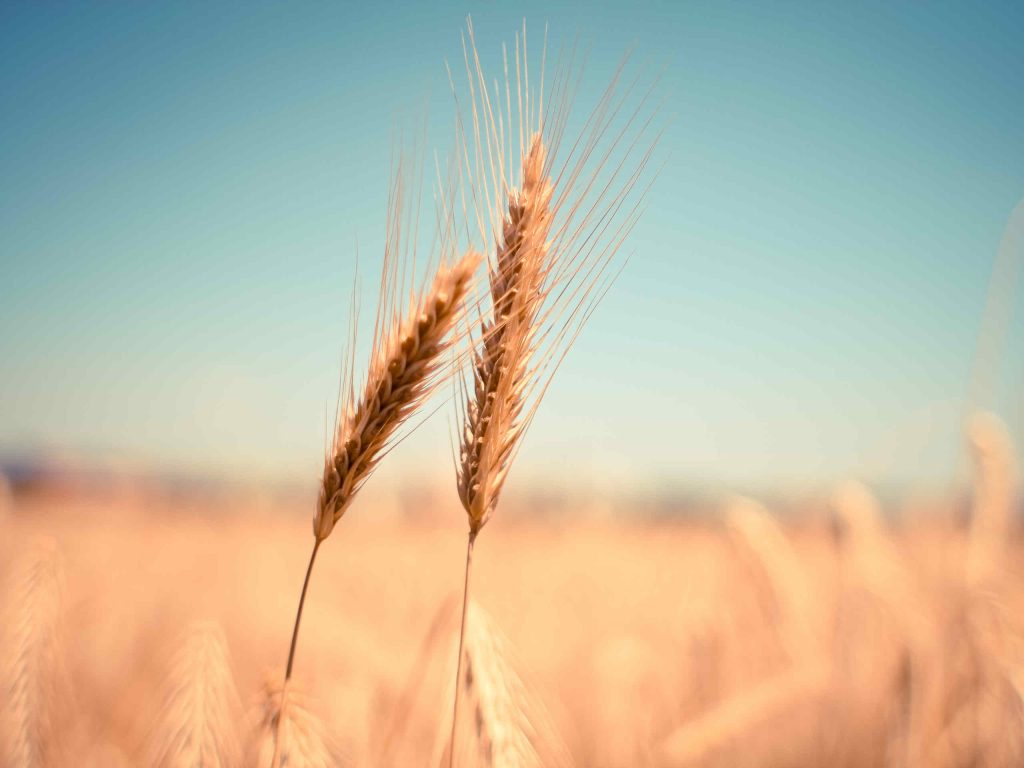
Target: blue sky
{"x": 183, "y": 187}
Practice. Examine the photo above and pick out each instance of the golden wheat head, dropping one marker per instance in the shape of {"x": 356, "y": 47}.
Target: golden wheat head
{"x": 406, "y": 359}
{"x": 557, "y": 225}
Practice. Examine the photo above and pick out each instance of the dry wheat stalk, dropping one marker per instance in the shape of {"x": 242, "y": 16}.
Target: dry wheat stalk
{"x": 32, "y": 684}
{"x": 287, "y": 734}
{"x": 196, "y": 724}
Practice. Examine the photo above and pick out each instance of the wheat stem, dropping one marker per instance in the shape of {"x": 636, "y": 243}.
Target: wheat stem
{"x": 291, "y": 648}
{"x": 298, "y": 613}
{"x": 462, "y": 638}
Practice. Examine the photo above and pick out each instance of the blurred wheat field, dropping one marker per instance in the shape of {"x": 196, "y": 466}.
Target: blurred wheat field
{"x": 732, "y": 642}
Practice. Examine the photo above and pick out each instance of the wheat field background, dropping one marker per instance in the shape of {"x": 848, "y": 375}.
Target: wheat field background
{"x": 643, "y": 643}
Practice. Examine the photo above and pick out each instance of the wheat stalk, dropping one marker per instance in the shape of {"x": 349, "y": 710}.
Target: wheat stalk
{"x": 31, "y": 671}
{"x": 196, "y": 724}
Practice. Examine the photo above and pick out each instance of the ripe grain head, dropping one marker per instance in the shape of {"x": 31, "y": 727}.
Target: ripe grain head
{"x": 558, "y": 211}
{"x": 407, "y": 362}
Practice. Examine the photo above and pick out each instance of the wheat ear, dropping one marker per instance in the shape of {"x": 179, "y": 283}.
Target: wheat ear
{"x": 501, "y": 361}
{"x": 31, "y": 672}
{"x": 287, "y": 734}
{"x": 196, "y": 724}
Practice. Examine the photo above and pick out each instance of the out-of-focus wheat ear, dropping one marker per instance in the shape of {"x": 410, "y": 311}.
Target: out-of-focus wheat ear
{"x": 505, "y": 725}
{"x": 892, "y": 641}
{"x": 994, "y": 496}
{"x": 33, "y": 682}
{"x": 286, "y": 733}
{"x": 873, "y": 563}
{"x": 761, "y": 541}
{"x": 195, "y": 727}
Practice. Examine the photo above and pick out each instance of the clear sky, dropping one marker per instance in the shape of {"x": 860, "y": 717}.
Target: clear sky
{"x": 183, "y": 187}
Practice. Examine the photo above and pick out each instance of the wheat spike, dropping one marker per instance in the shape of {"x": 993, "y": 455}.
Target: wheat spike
{"x": 501, "y": 363}
{"x": 287, "y": 734}
{"x": 557, "y": 225}
{"x": 196, "y": 724}
{"x": 406, "y": 359}
{"x": 32, "y": 684}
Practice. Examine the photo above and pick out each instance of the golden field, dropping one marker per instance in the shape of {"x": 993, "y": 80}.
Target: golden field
{"x": 836, "y": 640}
